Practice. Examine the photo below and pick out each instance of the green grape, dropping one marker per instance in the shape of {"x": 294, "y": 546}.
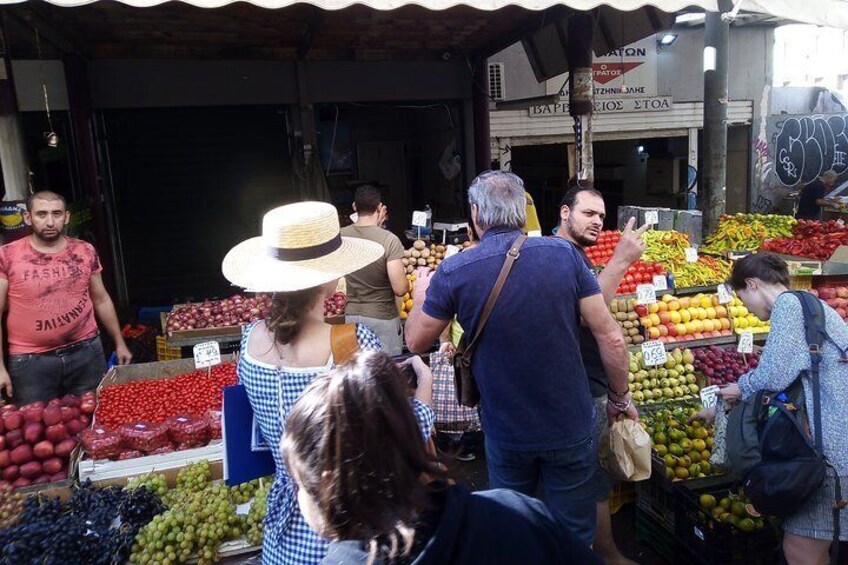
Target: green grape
{"x": 155, "y": 482}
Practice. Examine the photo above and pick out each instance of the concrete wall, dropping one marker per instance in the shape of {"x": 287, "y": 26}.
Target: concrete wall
{"x": 679, "y": 67}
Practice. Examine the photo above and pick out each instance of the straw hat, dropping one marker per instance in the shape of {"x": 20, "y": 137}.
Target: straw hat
{"x": 300, "y": 247}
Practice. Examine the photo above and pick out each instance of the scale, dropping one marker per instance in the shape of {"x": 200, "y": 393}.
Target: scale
{"x": 450, "y": 232}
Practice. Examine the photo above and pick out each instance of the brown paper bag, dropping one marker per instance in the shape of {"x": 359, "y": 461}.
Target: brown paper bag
{"x": 625, "y": 452}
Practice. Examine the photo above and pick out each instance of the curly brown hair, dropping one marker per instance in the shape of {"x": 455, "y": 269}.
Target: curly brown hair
{"x": 288, "y": 309}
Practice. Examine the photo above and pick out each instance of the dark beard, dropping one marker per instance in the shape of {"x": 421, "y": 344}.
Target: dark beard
{"x": 47, "y": 239}
{"x": 582, "y": 241}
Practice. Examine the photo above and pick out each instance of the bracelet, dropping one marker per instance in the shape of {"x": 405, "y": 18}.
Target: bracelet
{"x": 620, "y": 405}
{"x": 616, "y": 393}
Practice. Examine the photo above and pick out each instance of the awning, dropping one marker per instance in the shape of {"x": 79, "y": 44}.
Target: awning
{"x": 832, "y": 13}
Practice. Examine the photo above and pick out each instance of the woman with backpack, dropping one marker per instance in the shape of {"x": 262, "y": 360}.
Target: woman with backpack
{"x": 300, "y": 257}
{"x": 367, "y": 485}
{"x": 762, "y": 283}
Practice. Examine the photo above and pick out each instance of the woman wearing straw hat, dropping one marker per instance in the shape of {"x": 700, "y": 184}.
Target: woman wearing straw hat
{"x": 300, "y": 256}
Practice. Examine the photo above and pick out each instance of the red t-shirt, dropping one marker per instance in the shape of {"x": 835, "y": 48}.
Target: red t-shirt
{"x": 48, "y": 297}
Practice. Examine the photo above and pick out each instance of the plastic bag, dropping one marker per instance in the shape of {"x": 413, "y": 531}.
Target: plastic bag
{"x": 100, "y": 442}
{"x": 144, "y": 437}
{"x": 214, "y": 419}
{"x": 625, "y": 452}
{"x": 188, "y": 430}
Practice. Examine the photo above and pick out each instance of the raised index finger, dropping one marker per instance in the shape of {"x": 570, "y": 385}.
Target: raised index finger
{"x": 642, "y": 229}
{"x": 629, "y": 227}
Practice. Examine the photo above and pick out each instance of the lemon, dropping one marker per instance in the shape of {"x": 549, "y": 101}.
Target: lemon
{"x": 708, "y": 501}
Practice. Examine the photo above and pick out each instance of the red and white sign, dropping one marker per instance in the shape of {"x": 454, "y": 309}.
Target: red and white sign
{"x": 627, "y": 72}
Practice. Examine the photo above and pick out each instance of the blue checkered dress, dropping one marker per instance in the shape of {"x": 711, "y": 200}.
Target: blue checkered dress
{"x": 272, "y": 392}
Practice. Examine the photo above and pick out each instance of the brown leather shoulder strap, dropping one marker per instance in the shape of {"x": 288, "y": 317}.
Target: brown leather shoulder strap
{"x": 511, "y": 257}
{"x": 343, "y": 343}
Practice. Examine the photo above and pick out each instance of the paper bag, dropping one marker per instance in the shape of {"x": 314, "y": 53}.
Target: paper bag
{"x": 625, "y": 452}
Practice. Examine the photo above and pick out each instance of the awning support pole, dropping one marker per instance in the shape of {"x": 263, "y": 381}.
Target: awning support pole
{"x": 581, "y": 92}
{"x": 714, "y": 169}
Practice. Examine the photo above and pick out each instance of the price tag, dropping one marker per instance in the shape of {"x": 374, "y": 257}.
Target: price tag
{"x": 660, "y": 283}
{"x": 652, "y": 217}
{"x": 451, "y": 250}
{"x": 691, "y": 254}
{"x": 653, "y": 353}
{"x": 646, "y": 294}
{"x": 207, "y": 354}
{"x": 419, "y": 219}
{"x": 746, "y": 343}
{"x": 708, "y": 396}
{"x": 724, "y": 296}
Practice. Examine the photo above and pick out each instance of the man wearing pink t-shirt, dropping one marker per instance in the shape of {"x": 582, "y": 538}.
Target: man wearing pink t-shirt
{"x": 52, "y": 287}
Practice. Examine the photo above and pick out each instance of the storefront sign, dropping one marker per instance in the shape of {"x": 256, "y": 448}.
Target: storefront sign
{"x": 629, "y": 71}
{"x": 607, "y": 106}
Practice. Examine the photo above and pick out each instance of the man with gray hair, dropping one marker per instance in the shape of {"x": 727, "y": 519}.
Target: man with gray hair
{"x": 812, "y": 195}
{"x": 538, "y": 414}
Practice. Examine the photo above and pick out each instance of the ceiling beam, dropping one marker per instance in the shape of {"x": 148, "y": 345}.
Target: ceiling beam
{"x": 30, "y": 17}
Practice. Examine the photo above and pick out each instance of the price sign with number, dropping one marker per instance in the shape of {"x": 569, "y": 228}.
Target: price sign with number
{"x": 653, "y": 353}
{"x": 708, "y": 396}
{"x": 207, "y": 354}
{"x": 652, "y": 217}
{"x": 419, "y": 219}
{"x": 646, "y": 294}
{"x": 746, "y": 343}
{"x": 691, "y": 254}
{"x": 724, "y": 296}
{"x": 660, "y": 283}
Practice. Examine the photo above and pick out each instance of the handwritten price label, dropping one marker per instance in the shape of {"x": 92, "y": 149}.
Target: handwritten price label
{"x": 653, "y": 353}
{"x": 691, "y": 254}
{"x": 708, "y": 396}
{"x": 660, "y": 283}
{"x": 207, "y": 354}
{"x": 419, "y": 219}
{"x": 652, "y": 217}
{"x": 724, "y": 296}
{"x": 646, "y": 294}
{"x": 746, "y": 343}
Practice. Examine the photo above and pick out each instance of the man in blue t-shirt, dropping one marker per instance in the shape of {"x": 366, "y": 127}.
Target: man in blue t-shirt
{"x": 538, "y": 414}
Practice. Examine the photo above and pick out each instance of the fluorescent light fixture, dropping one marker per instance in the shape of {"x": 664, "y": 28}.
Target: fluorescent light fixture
{"x": 690, "y": 18}
{"x": 667, "y": 39}
{"x": 709, "y": 59}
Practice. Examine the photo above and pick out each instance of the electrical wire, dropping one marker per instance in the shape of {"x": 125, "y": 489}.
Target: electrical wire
{"x": 333, "y": 141}
{"x": 43, "y": 82}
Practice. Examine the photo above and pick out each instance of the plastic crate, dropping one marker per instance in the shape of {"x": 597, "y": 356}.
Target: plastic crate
{"x": 165, "y": 353}
{"x": 706, "y": 541}
{"x": 655, "y": 501}
{"x": 651, "y": 533}
{"x": 622, "y": 493}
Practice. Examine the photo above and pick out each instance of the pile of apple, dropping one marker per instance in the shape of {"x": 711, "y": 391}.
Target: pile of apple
{"x": 36, "y": 440}
{"x": 233, "y": 311}
{"x": 335, "y": 305}
{"x": 835, "y": 297}
{"x": 744, "y": 321}
{"x": 673, "y": 319}
{"x": 722, "y": 365}
{"x": 625, "y": 314}
{"x": 673, "y": 381}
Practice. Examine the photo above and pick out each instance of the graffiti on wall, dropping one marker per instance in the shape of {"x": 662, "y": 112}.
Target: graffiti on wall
{"x": 792, "y": 151}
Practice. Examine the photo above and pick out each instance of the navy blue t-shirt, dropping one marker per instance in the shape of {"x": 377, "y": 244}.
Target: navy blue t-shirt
{"x": 527, "y": 363}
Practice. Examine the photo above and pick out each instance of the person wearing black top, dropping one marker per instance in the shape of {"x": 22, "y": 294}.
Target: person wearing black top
{"x": 366, "y": 482}
{"x": 810, "y": 203}
{"x": 582, "y": 214}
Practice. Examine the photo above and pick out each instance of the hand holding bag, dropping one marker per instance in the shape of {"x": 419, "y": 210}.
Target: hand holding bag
{"x": 625, "y": 451}
{"x": 467, "y": 393}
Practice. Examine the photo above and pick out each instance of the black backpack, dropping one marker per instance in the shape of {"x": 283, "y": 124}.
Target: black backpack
{"x": 791, "y": 466}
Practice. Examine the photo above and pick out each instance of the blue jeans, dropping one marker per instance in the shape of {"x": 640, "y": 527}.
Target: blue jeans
{"x": 565, "y": 476}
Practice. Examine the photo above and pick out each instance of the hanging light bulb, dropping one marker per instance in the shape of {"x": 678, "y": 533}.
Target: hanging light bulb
{"x": 52, "y": 139}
